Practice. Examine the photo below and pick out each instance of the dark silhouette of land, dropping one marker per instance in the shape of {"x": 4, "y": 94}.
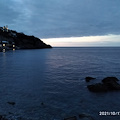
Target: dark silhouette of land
{"x": 20, "y": 40}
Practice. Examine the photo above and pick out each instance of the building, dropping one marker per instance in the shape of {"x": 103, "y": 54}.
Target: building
{"x": 5, "y": 45}
{"x": 5, "y": 28}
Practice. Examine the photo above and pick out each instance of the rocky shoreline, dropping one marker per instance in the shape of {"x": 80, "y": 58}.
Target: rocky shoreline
{"x": 11, "y": 39}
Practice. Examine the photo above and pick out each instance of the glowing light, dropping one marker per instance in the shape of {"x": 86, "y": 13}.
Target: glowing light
{"x": 3, "y": 50}
{"x": 3, "y": 45}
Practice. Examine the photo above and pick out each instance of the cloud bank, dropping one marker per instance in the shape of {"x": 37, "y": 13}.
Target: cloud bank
{"x": 61, "y": 18}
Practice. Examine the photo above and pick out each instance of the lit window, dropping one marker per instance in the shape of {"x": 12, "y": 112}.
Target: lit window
{"x": 3, "y": 50}
{"x": 13, "y": 45}
{"x": 3, "y": 45}
{"x": 7, "y": 29}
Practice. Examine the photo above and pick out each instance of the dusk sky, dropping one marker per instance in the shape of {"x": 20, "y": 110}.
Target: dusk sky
{"x": 65, "y": 23}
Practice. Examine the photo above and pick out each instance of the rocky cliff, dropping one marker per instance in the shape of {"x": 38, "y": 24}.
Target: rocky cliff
{"x": 21, "y": 40}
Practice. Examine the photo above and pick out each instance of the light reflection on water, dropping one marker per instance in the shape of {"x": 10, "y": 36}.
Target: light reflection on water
{"x": 56, "y": 78}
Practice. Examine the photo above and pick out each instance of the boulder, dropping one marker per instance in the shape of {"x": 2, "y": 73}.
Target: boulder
{"x": 88, "y": 79}
{"x": 71, "y": 118}
{"x": 85, "y": 116}
{"x": 11, "y": 103}
{"x": 108, "y": 84}
{"x": 109, "y": 79}
{"x": 2, "y": 117}
{"x": 111, "y": 83}
{"x": 98, "y": 87}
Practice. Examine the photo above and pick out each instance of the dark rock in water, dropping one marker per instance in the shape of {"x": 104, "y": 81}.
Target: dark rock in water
{"x": 88, "y": 79}
{"x": 42, "y": 103}
{"x": 109, "y": 79}
{"x": 10, "y": 112}
{"x": 71, "y": 118}
{"x": 2, "y": 117}
{"x": 108, "y": 84}
{"x": 11, "y": 103}
{"x": 82, "y": 116}
{"x": 111, "y": 83}
{"x": 98, "y": 87}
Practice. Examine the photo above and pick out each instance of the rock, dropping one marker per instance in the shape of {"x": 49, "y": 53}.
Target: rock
{"x": 10, "y": 112}
{"x": 88, "y": 79}
{"x": 98, "y": 87}
{"x": 2, "y": 117}
{"x": 108, "y": 84}
{"x": 11, "y": 103}
{"x": 43, "y": 104}
{"x": 109, "y": 79}
{"x": 111, "y": 83}
{"x": 71, "y": 118}
{"x": 88, "y": 117}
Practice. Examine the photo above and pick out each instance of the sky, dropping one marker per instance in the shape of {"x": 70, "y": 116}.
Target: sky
{"x": 65, "y": 22}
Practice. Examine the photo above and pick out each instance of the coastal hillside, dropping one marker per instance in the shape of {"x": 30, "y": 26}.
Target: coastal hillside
{"x": 21, "y": 40}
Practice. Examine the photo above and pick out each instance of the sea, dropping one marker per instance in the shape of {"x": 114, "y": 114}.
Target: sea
{"x": 49, "y": 84}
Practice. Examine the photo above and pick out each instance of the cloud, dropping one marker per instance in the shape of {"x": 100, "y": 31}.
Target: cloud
{"x": 53, "y": 18}
{"x": 7, "y": 15}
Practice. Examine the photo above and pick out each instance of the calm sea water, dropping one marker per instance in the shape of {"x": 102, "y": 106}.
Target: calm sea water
{"x": 56, "y": 78}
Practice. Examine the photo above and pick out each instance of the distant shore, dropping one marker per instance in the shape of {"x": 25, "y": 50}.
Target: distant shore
{"x": 10, "y": 39}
